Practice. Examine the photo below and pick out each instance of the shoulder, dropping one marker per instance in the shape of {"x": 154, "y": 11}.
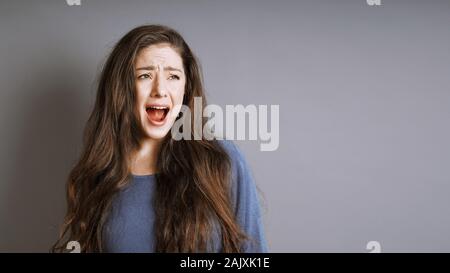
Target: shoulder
{"x": 245, "y": 199}
{"x": 236, "y": 156}
{"x": 242, "y": 180}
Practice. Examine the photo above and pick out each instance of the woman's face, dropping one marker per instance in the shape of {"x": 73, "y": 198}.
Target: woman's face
{"x": 160, "y": 81}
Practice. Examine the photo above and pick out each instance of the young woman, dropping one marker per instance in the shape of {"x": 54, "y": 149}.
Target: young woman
{"x": 137, "y": 189}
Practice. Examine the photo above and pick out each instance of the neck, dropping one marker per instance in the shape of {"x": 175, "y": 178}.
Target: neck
{"x": 143, "y": 161}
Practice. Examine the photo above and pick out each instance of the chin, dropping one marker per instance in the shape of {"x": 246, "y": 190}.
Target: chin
{"x": 156, "y": 133}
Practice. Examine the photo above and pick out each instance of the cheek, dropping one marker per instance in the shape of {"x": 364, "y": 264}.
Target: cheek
{"x": 177, "y": 94}
{"x": 141, "y": 94}
{"x": 179, "y": 97}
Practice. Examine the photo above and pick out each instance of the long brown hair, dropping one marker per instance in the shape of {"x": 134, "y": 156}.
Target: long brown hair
{"x": 192, "y": 193}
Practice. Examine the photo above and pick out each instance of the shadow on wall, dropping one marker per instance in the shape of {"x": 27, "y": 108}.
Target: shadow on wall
{"x": 48, "y": 131}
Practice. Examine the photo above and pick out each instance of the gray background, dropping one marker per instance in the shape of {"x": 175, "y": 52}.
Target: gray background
{"x": 364, "y": 95}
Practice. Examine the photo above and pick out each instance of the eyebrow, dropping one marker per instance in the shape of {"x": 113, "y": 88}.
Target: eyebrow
{"x": 152, "y": 67}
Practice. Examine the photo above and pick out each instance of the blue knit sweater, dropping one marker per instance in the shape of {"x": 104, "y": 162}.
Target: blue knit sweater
{"x": 129, "y": 227}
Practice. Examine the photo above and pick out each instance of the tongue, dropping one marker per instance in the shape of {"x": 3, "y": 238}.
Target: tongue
{"x": 156, "y": 114}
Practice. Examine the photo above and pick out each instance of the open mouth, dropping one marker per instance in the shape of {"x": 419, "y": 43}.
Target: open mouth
{"x": 157, "y": 113}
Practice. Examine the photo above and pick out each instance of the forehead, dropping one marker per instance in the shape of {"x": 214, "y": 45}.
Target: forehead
{"x": 159, "y": 54}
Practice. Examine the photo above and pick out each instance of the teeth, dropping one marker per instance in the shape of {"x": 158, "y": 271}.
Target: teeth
{"x": 158, "y": 107}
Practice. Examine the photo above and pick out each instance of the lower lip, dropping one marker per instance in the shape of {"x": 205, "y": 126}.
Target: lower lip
{"x": 157, "y": 123}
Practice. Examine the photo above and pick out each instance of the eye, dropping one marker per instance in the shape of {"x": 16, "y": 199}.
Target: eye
{"x": 144, "y": 76}
{"x": 174, "y": 77}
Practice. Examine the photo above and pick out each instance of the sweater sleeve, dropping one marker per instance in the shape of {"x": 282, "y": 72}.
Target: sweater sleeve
{"x": 246, "y": 200}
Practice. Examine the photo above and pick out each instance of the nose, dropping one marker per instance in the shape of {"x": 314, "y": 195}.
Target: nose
{"x": 158, "y": 87}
